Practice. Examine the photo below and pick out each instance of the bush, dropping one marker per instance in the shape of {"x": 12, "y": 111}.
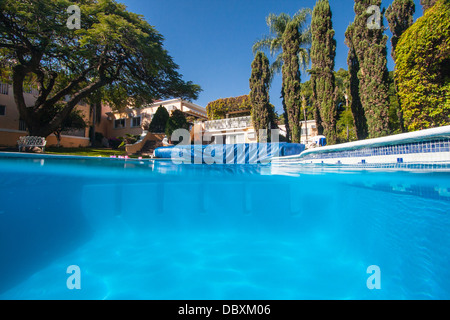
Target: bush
{"x": 128, "y": 139}
{"x": 423, "y": 69}
{"x": 218, "y": 109}
{"x": 114, "y": 143}
{"x": 159, "y": 121}
{"x": 176, "y": 121}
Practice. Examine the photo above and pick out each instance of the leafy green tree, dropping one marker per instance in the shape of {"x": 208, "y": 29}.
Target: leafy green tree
{"x": 259, "y": 94}
{"x": 159, "y": 120}
{"x": 291, "y": 79}
{"x": 323, "y": 52}
{"x": 176, "y": 121}
{"x": 114, "y": 49}
{"x": 75, "y": 121}
{"x": 345, "y": 126}
{"x": 423, "y": 69}
{"x": 274, "y": 44}
{"x": 368, "y": 72}
{"x": 400, "y": 17}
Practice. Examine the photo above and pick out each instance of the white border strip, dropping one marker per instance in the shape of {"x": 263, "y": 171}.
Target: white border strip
{"x": 409, "y": 137}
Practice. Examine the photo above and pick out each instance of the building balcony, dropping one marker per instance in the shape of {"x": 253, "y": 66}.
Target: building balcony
{"x": 228, "y": 124}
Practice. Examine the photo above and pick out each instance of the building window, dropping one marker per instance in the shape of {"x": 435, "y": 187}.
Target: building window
{"x": 136, "y": 121}
{"x": 22, "y": 125}
{"x": 235, "y": 139}
{"x": 4, "y": 88}
{"x": 119, "y": 123}
{"x": 2, "y": 110}
{"x": 304, "y": 131}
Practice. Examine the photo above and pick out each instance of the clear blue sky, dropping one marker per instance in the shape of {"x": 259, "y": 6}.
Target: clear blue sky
{"x": 211, "y": 40}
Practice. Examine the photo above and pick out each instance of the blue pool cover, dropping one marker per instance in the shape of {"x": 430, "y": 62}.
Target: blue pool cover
{"x": 230, "y": 153}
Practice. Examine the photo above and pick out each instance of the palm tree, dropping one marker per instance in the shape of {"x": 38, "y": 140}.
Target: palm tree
{"x": 273, "y": 43}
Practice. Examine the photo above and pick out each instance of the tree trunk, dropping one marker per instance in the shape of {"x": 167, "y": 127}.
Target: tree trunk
{"x": 286, "y": 118}
{"x": 32, "y": 115}
{"x": 58, "y": 138}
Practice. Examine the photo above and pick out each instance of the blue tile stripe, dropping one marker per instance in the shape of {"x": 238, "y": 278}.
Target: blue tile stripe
{"x": 429, "y": 192}
{"x": 439, "y": 145}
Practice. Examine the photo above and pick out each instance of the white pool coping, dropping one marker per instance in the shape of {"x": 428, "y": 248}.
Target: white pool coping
{"x": 399, "y": 139}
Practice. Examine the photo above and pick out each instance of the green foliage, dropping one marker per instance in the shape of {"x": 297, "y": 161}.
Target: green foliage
{"x": 427, "y": 4}
{"x": 176, "y": 121}
{"x": 395, "y": 114}
{"x": 262, "y": 115}
{"x": 128, "y": 139}
{"x": 353, "y": 88}
{"x": 89, "y": 152}
{"x": 115, "y": 50}
{"x": 291, "y": 79}
{"x": 368, "y": 73}
{"x": 423, "y": 69}
{"x": 274, "y": 44}
{"x": 74, "y": 121}
{"x": 307, "y": 101}
{"x": 400, "y": 17}
{"x": 342, "y": 85}
{"x": 218, "y": 109}
{"x": 114, "y": 143}
{"x": 323, "y": 52}
{"x": 159, "y": 120}
{"x": 345, "y": 125}
{"x": 274, "y": 41}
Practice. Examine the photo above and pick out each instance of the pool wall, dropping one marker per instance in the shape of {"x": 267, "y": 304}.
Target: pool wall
{"x": 156, "y": 230}
{"x": 426, "y": 146}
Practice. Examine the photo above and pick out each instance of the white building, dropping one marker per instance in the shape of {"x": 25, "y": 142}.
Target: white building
{"x": 307, "y": 134}
{"x": 131, "y": 120}
{"x": 228, "y": 131}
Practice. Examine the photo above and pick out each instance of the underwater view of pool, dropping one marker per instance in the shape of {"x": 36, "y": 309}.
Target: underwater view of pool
{"x": 149, "y": 229}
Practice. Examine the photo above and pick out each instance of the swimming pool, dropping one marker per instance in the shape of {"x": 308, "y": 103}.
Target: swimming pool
{"x": 156, "y": 230}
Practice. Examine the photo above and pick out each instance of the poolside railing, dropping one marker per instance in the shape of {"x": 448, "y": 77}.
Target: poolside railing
{"x": 230, "y": 123}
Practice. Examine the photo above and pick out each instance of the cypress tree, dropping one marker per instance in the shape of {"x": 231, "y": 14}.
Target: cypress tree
{"x": 159, "y": 120}
{"x": 176, "y": 121}
{"x": 427, "y": 4}
{"x": 369, "y": 63}
{"x": 400, "y": 17}
{"x": 323, "y": 52}
{"x": 291, "y": 79}
{"x": 356, "y": 106}
{"x": 259, "y": 93}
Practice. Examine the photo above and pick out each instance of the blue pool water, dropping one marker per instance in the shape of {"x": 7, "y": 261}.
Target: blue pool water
{"x": 155, "y": 230}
